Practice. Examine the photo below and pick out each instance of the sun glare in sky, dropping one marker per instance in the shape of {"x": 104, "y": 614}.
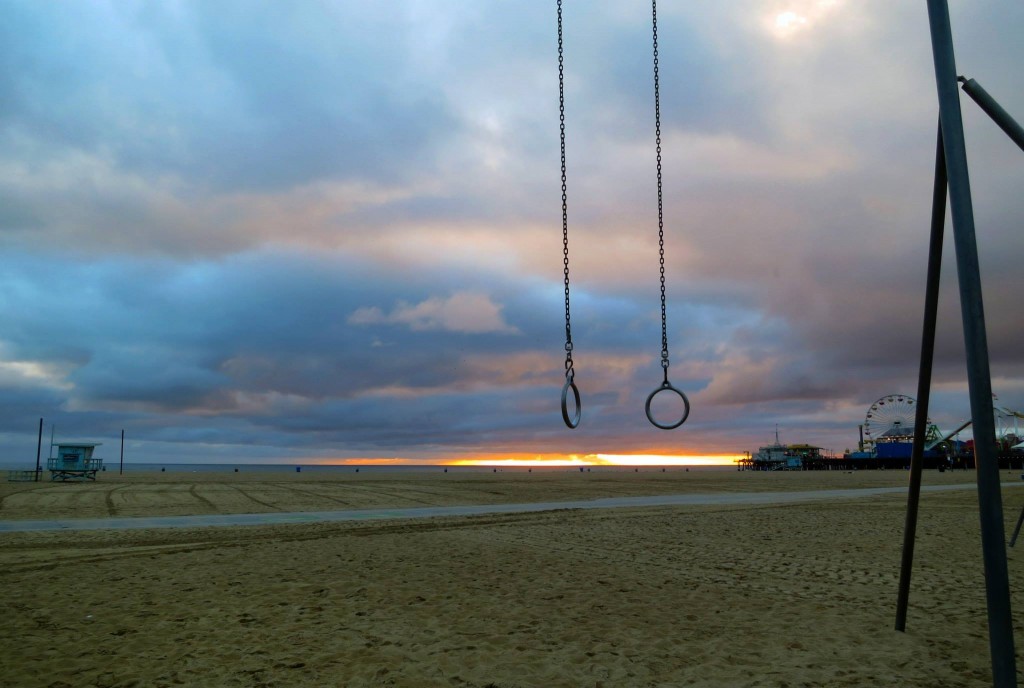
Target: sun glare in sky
{"x": 799, "y": 17}
{"x": 788, "y": 22}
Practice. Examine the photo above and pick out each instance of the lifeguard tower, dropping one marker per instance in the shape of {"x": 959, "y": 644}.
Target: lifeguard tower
{"x": 74, "y": 461}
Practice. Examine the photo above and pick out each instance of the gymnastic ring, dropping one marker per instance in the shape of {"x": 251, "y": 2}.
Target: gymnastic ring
{"x": 575, "y": 419}
{"x": 686, "y": 404}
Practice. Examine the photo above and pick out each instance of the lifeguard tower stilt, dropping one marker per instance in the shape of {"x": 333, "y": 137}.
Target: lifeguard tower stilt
{"x": 74, "y": 461}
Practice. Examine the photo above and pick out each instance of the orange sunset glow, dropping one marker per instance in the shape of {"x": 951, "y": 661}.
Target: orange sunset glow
{"x": 550, "y": 460}
{"x": 602, "y": 460}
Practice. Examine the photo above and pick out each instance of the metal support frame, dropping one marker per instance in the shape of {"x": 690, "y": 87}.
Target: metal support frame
{"x": 39, "y": 450}
{"x": 1016, "y": 133}
{"x": 994, "y": 110}
{"x": 990, "y": 509}
{"x": 1016, "y": 530}
{"x": 924, "y": 380}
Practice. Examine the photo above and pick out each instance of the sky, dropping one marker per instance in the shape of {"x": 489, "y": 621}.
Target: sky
{"x": 331, "y": 231}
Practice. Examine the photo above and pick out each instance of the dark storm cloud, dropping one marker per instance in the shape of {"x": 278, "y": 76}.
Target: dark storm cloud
{"x": 265, "y": 340}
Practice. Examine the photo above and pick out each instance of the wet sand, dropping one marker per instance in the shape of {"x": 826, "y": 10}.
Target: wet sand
{"x": 798, "y": 594}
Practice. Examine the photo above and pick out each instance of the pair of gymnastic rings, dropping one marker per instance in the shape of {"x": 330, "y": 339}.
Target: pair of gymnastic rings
{"x": 572, "y": 419}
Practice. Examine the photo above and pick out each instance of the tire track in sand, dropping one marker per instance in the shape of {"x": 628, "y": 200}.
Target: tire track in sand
{"x": 203, "y": 500}
{"x": 109, "y": 499}
{"x": 258, "y": 501}
{"x": 12, "y": 494}
{"x": 366, "y": 489}
{"x": 310, "y": 493}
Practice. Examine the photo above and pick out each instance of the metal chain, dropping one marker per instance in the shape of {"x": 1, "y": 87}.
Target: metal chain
{"x": 661, "y": 215}
{"x": 665, "y": 385}
{"x": 565, "y": 199}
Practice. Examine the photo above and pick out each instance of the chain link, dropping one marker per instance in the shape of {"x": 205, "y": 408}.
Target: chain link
{"x": 565, "y": 198}
{"x": 661, "y": 214}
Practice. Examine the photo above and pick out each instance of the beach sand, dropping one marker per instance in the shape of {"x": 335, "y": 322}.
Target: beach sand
{"x": 754, "y": 595}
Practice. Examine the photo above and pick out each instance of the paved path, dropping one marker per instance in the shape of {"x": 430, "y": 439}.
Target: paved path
{"x": 209, "y": 520}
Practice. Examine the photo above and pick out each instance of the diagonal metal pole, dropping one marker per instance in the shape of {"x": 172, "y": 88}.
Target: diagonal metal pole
{"x": 1016, "y": 133}
{"x": 39, "y": 449}
{"x": 994, "y": 110}
{"x": 990, "y": 506}
{"x": 1016, "y": 530}
{"x": 924, "y": 379}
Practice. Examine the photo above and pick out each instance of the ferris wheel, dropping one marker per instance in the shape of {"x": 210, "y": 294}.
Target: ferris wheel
{"x": 891, "y": 418}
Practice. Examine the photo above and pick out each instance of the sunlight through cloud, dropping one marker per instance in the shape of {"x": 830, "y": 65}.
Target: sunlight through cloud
{"x": 799, "y": 17}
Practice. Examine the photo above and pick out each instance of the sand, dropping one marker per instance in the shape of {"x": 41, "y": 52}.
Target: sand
{"x": 754, "y": 595}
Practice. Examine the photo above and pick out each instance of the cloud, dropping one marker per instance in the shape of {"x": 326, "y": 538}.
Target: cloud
{"x": 463, "y": 312}
{"x": 30, "y": 374}
{"x": 223, "y": 96}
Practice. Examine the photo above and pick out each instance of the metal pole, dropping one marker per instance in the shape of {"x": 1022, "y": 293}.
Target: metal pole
{"x": 990, "y": 506}
{"x": 994, "y": 110}
{"x": 122, "y": 453}
{"x": 1016, "y": 531}
{"x": 39, "y": 449}
{"x": 924, "y": 378}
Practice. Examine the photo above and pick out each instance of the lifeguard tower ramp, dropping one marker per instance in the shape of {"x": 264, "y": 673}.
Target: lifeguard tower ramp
{"x": 74, "y": 461}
